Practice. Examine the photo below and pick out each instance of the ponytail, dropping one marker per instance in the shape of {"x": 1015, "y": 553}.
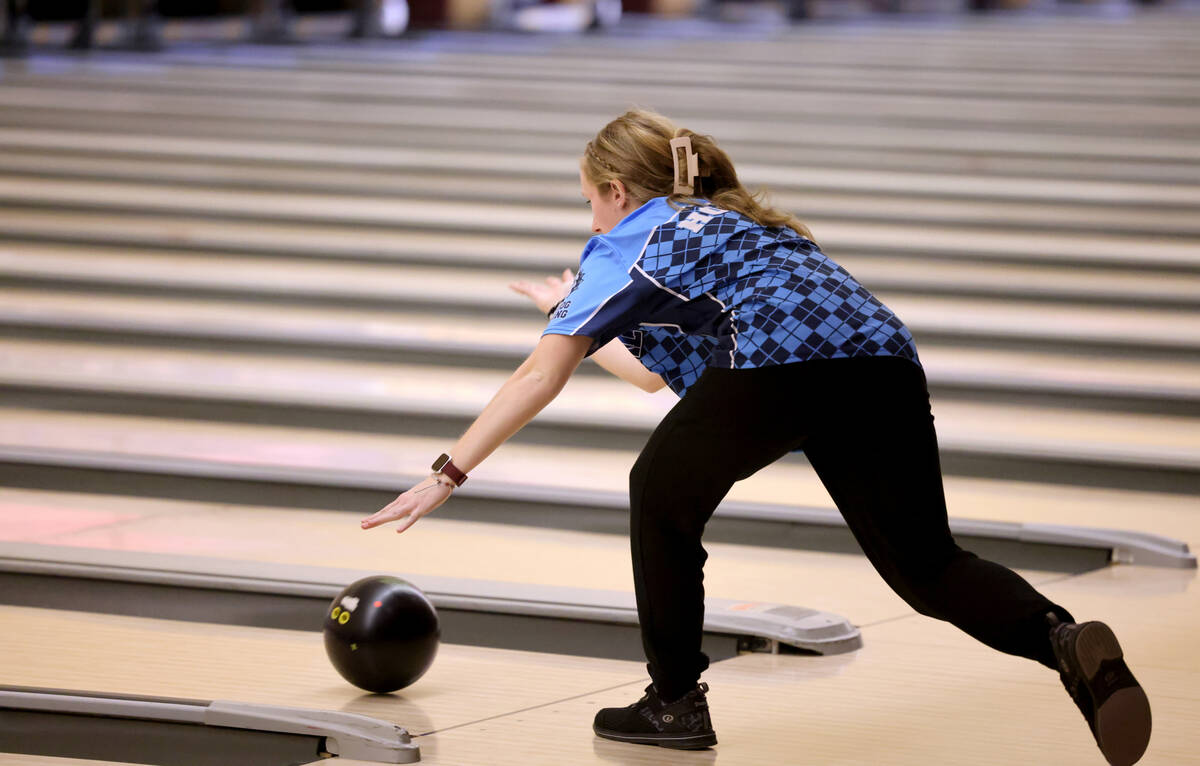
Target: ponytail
{"x": 636, "y": 149}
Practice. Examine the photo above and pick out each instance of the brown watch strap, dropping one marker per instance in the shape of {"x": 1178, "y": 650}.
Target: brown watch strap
{"x": 445, "y": 465}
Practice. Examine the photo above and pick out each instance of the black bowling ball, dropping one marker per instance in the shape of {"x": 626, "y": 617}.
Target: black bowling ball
{"x": 381, "y": 633}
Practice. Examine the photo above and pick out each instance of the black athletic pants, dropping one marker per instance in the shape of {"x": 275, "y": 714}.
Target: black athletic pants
{"x": 866, "y": 427}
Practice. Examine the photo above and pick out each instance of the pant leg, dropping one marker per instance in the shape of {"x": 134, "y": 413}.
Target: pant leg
{"x": 877, "y": 455}
{"x": 867, "y": 429}
{"x": 720, "y": 432}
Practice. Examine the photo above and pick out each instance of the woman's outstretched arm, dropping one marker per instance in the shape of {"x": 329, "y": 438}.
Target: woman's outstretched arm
{"x": 534, "y": 385}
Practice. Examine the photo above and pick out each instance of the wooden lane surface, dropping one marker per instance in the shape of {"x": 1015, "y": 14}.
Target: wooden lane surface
{"x": 1127, "y": 139}
{"x": 385, "y": 460}
{"x": 380, "y": 387}
{"x": 844, "y": 584}
{"x": 682, "y": 97}
{"x": 294, "y": 238}
{"x": 548, "y": 177}
{"x": 918, "y": 692}
{"x": 283, "y": 667}
{"x": 436, "y": 548}
{"x": 800, "y": 57}
{"x": 297, "y": 239}
{"x": 551, "y": 165}
{"x": 833, "y": 204}
{"x": 967, "y": 700}
{"x": 814, "y": 74}
{"x": 1007, "y": 124}
{"x": 598, "y": 401}
{"x": 1145, "y": 441}
{"x": 1028, "y": 322}
{"x": 931, "y": 695}
{"x": 904, "y": 150}
{"x": 252, "y": 216}
{"x": 272, "y": 377}
{"x": 1069, "y": 57}
{"x": 401, "y": 282}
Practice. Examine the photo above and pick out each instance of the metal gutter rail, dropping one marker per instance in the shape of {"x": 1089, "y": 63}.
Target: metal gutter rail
{"x": 298, "y": 589}
{"x": 343, "y": 734}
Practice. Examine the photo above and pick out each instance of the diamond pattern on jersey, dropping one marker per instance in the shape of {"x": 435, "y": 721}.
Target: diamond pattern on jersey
{"x": 680, "y": 359}
{"x": 790, "y": 301}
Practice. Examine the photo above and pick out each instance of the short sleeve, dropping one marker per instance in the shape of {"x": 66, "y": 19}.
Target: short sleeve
{"x": 604, "y": 300}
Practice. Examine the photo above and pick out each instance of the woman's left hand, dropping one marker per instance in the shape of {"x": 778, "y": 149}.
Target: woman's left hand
{"x": 546, "y": 296}
{"x": 411, "y": 505}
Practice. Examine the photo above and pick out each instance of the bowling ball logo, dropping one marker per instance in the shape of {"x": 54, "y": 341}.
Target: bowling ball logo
{"x": 381, "y": 633}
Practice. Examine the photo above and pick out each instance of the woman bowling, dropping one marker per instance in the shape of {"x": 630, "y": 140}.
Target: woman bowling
{"x": 692, "y": 283}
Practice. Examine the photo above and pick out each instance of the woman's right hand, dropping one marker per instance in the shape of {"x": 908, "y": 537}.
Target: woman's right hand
{"x": 546, "y": 296}
{"x": 412, "y": 505}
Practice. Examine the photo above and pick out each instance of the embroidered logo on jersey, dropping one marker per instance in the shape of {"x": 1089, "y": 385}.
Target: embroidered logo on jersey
{"x": 562, "y": 310}
{"x": 698, "y": 217}
{"x": 575, "y": 284}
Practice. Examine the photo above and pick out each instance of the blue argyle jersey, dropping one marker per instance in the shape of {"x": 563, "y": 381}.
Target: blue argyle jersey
{"x": 679, "y": 359}
{"x": 704, "y": 287}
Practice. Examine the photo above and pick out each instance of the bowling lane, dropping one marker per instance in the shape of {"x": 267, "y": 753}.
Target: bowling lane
{"x": 300, "y": 277}
{"x": 843, "y": 584}
{"x": 970, "y": 704}
{"x": 552, "y": 167}
{"x": 405, "y": 94}
{"x": 1011, "y": 127}
{"x": 296, "y": 238}
{"x": 805, "y": 105}
{"x": 1126, "y": 439}
{"x": 383, "y": 460}
{"x": 894, "y": 703}
{"x": 163, "y": 658}
{"x": 819, "y": 73}
{"x": 216, "y": 376}
{"x": 303, "y": 234}
{"x": 1123, "y": 212}
{"x": 840, "y": 583}
{"x": 473, "y": 707}
{"x": 1041, "y": 156}
{"x": 1027, "y": 322}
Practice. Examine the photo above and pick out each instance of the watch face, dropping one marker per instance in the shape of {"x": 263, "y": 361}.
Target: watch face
{"x": 440, "y": 463}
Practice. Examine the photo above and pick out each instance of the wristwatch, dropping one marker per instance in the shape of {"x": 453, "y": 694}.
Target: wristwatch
{"x": 445, "y": 465}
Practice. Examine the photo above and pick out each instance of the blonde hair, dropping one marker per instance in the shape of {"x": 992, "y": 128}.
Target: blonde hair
{"x": 635, "y": 149}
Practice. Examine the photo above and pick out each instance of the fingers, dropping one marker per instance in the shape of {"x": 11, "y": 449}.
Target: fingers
{"x": 408, "y": 522}
{"x": 390, "y": 512}
{"x": 409, "y": 507}
{"x": 545, "y": 296}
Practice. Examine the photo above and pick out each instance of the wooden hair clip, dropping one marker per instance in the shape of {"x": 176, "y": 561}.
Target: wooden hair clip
{"x": 686, "y": 165}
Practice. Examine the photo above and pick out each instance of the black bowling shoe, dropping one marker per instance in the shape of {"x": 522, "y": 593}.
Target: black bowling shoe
{"x": 683, "y": 724}
{"x": 1093, "y": 670}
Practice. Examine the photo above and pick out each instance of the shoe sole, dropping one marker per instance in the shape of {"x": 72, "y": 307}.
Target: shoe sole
{"x": 673, "y": 741}
{"x": 1123, "y": 716}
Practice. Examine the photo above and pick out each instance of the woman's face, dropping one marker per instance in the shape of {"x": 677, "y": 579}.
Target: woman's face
{"x": 609, "y": 205}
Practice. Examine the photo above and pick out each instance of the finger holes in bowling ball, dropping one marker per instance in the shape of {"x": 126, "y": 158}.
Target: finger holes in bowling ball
{"x": 381, "y": 633}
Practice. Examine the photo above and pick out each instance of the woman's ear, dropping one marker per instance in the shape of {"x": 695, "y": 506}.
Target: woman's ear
{"x": 620, "y": 193}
